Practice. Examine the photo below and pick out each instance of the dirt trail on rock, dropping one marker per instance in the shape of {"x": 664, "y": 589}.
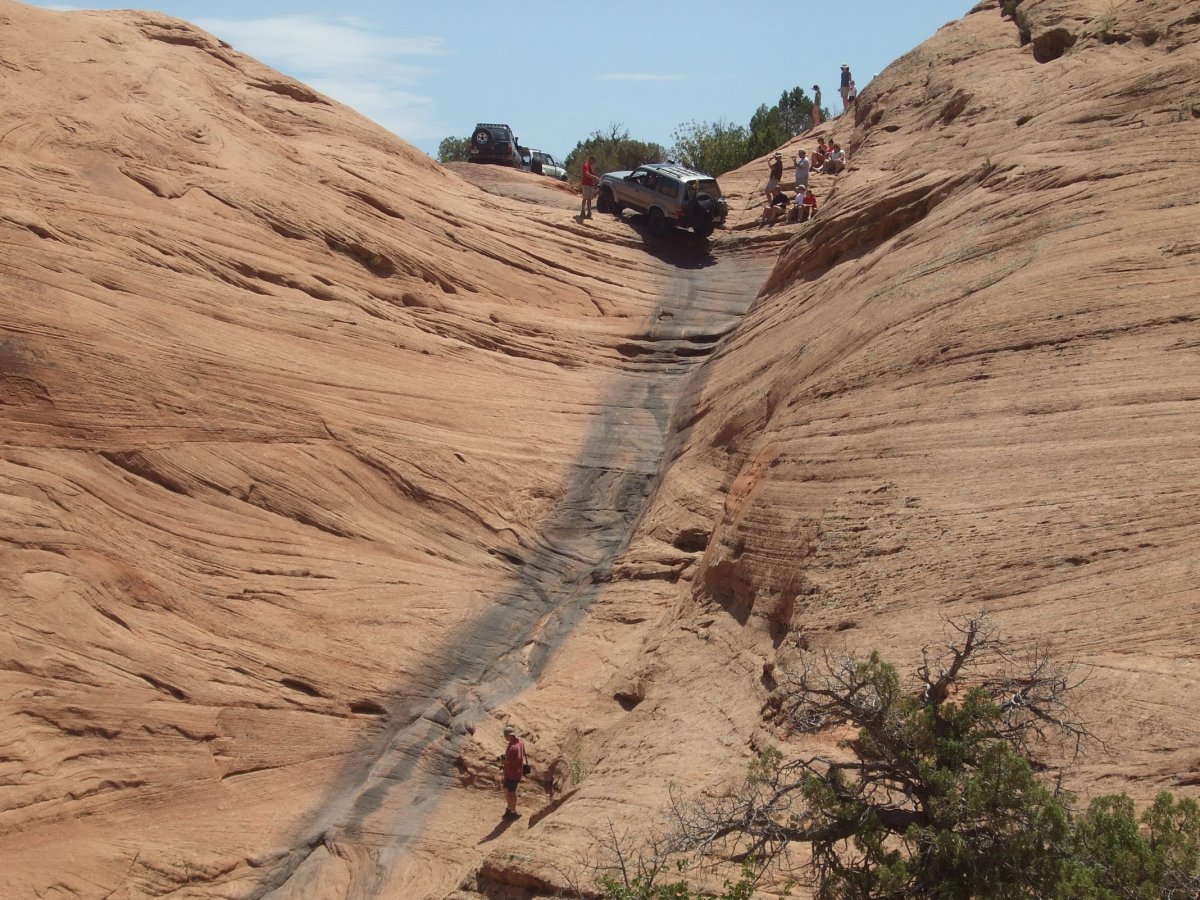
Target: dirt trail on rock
{"x": 306, "y": 440}
{"x": 319, "y": 463}
{"x": 391, "y": 788}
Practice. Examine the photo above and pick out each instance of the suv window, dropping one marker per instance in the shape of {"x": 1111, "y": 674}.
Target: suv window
{"x": 668, "y": 186}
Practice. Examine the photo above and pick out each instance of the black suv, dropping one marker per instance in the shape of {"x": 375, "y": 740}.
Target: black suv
{"x": 495, "y": 144}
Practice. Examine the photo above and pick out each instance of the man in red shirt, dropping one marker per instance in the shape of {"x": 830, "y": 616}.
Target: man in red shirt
{"x": 588, "y": 181}
{"x": 514, "y": 769}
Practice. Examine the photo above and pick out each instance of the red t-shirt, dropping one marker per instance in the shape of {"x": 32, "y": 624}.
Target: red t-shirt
{"x": 514, "y": 760}
{"x": 588, "y": 176}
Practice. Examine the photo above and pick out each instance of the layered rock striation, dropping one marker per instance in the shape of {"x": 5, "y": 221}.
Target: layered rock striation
{"x": 321, "y": 462}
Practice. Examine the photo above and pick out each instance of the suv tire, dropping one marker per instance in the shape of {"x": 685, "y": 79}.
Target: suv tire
{"x": 604, "y": 203}
{"x": 700, "y": 213}
{"x": 656, "y": 222}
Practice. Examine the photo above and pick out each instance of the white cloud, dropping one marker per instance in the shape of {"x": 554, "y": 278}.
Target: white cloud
{"x": 308, "y": 42}
{"x": 401, "y": 112}
{"x": 638, "y": 76}
{"x": 347, "y": 60}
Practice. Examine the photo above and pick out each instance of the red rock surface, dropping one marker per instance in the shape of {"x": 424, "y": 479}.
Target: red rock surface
{"x": 321, "y": 462}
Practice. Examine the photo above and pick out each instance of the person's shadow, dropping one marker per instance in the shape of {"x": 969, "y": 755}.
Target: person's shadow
{"x": 502, "y": 826}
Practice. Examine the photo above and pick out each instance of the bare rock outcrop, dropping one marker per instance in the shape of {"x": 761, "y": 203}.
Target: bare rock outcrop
{"x": 321, "y": 462}
{"x": 313, "y": 451}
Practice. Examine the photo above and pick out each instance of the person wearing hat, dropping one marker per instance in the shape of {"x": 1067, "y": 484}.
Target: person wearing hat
{"x": 515, "y": 766}
{"x": 844, "y": 90}
{"x": 776, "y": 176}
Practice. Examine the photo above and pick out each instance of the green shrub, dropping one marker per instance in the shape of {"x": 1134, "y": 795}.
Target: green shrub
{"x": 454, "y": 149}
{"x": 614, "y": 150}
{"x": 938, "y": 794}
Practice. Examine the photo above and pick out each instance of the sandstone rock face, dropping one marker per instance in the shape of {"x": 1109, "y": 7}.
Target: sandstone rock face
{"x": 321, "y": 462}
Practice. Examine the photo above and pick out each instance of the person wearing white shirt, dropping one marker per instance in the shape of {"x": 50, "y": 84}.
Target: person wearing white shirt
{"x": 803, "y": 166}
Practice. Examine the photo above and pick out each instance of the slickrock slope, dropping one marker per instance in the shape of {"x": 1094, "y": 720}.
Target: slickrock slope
{"x": 972, "y": 384}
{"x": 311, "y": 453}
{"x": 319, "y": 462}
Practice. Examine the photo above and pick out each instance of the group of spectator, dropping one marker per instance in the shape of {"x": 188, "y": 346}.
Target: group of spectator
{"x": 847, "y": 89}
{"x": 827, "y": 159}
{"x": 800, "y": 208}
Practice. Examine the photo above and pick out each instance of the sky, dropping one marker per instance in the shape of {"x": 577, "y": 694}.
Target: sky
{"x": 556, "y": 72}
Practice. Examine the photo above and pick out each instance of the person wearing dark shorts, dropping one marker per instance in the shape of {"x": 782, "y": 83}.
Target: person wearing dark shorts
{"x": 776, "y": 174}
{"x": 514, "y": 769}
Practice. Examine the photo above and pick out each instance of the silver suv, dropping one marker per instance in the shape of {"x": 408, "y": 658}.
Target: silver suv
{"x": 670, "y": 195}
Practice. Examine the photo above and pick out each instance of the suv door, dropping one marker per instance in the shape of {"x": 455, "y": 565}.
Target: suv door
{"x": 641, "y": 189}
{"x": 668, "y": 195}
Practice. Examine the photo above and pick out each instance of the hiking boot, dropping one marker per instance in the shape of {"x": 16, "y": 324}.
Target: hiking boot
{"x": 510, "y": 814}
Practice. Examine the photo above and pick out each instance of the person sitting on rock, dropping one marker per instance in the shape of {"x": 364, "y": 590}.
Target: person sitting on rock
{"x": 802, "y": 208}
{"x": 836, "y": 162}
{"x": 820, "y": 156}
{"x": 808, "y": 207}
{"x": 776, "y": 208}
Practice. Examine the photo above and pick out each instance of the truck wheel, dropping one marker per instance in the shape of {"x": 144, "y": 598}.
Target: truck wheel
{"x": 604, "y": 203}
{"x": 704, "y": 230}
{"x": 656, "y": 222}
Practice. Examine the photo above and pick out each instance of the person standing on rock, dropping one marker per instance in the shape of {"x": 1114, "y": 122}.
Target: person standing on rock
{"x": 515, "y": 767}
{"x": 776, "y": 174}
{"x": 816, "y": 117}
{"x": 802, "y": 166}
{"x": 844, "y": 90}
{"x": 588, "y": 183}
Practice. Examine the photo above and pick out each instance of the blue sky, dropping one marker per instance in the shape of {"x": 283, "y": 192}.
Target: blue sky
{"x": 556, "y": 72}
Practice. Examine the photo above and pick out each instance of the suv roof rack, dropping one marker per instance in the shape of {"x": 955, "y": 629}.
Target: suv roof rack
{"x": 679, "y": 171}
